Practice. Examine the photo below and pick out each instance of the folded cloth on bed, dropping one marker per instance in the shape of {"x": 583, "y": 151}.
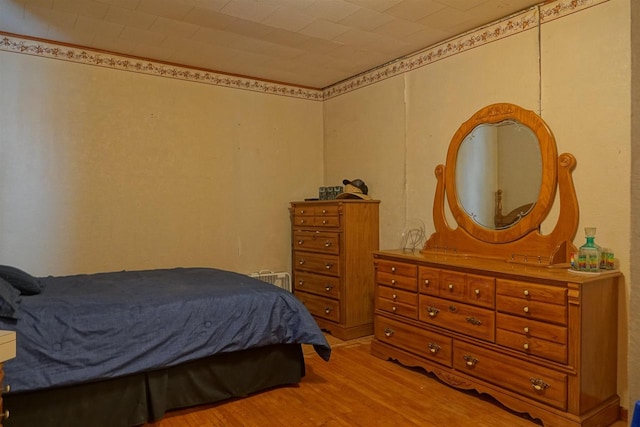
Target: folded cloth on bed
{"x": 89, "y": 327}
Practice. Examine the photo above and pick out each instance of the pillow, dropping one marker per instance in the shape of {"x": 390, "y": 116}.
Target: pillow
{"x": 9, "y": 300}
{"x": 21, "y": 280}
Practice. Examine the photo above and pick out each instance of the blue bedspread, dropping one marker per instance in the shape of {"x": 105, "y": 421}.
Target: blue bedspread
{"x": 88, "y": 327}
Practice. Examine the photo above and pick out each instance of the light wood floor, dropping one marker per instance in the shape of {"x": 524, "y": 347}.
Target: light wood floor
{"x": 354, "y": 389}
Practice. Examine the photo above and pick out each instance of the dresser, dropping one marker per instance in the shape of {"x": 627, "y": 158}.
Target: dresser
{"x": 7, "y": 351}
{"x": 540, "y": 341}
{"x": 332, "y": 251}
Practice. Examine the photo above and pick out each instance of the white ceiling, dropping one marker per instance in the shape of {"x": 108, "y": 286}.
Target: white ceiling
{"x": 313, "y": 43}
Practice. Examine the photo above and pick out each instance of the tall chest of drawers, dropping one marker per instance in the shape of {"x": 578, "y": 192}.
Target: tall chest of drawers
{"x": 540, "y": 340}
{"x": 332, "y": 250}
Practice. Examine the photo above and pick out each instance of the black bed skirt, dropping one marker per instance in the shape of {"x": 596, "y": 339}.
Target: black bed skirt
{"x": 139, "y": 398}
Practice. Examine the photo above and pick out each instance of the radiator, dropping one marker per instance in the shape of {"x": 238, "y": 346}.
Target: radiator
{"x": 281, "y": 279}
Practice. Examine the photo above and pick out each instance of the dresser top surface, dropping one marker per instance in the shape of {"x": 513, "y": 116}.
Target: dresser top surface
{"x": 497, "y": 267}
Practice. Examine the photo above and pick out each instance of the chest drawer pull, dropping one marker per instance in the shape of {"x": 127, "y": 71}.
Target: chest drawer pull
{"x": 526, "y": 309}
{"x": 526, "y": 346}
{"x": 538, "y": 384}
{"x": 327, "y": 243}
{"x": 394, "y": 297}
{"x": 477, "y": 291}
{"x": 470, "y": 360}
{"x": 426, "y": 281}
{"x": 474, "y": 321}
{"x": 327, "y": 310}
{"x": 433, "y": 312}
{"x": 450, "y": 286}
{"x": 324, "y": 221}
{"x": 303, "y": 221}
{"x": 300, "y": 241}
{"x": 526, "y": 293}
{"x": 453, "y": 308}
{"x": 393, "y": 269}
{"x": 328, "y": 265}
{"x": 301, "y": 261}
{"x": 328, "y": 287}
{"x": 433, "y": 347}
{"x": 4, "y": 415}
{"x": 388, "y": 332}
{"x": 526, "y": 329}
{"x": 6, "y": 389}
{"x": 394, "y": 308}
{"x": 300, "y": 282}
{"x": 393, "y": 281}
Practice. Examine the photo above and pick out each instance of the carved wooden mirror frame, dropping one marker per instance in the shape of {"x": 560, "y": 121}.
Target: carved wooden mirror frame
{"x": 522, "y": 242}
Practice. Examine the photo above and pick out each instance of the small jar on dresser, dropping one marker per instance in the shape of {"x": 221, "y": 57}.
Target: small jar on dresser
{"x": 332, "y": 252}
{"x": 7, "y": 351}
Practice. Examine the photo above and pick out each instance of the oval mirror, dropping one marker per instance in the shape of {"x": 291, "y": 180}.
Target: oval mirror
{"x": 501, "y": 173}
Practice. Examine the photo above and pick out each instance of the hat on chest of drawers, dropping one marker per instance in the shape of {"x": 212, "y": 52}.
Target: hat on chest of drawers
{"x": 354, "y": 189}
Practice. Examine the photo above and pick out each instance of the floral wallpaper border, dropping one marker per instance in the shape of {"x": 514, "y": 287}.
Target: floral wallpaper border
{"x": 507, "y": 27}
{"x": 496, "y": 31}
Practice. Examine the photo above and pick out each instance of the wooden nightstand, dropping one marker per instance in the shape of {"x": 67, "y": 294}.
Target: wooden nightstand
{"x": 7, "y": 351}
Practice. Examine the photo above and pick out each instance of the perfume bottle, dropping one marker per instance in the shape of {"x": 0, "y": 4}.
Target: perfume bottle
{"x": 589, "y": 254}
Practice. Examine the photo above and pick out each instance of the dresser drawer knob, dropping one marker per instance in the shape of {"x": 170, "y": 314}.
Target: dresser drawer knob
{"x": 450, "y": 286}
{"x": 426, "y": 282}
{"x": 526, "y": 329}
{"x": 477, "y": 291}
{"x": 453, "y": 308}
{"x": 302, "y": 211}
{"x": 526, "y": 309}
{"x": 538, "y": 384}
{"x": 394, "y": 297}
{"x": 526, "y": 293}
{"x": 526, "y": 346}
{"x": 433, "y": 312}
{"x": 328, "y": 265}
{"x": 328, "y": 288}
{"x": 327, "y": 243}
{"x": 324, "y": 211}
{"x": 474, "y": 321}
{"x": 388, "y": 332}
{"x": 7, "y": 389}
{"x": 4, "y": 415}
{"x": 470, "y": 360}
{"x": 394, "y": 308}
{"x": 393, "y": 269}
{"x": 300, "y": 241}
{"x": 301, "y": 261}
{"x": 324, "y": 222}
{"x": 393, "y": 281}
{"x": 303, "y": 221}
{"x": 433, "y": 347}
{"x": 300, "y": 282}
{"x": 327, "y": 310}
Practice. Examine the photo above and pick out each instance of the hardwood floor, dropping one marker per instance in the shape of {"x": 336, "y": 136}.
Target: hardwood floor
{"x": 354, "y": 389}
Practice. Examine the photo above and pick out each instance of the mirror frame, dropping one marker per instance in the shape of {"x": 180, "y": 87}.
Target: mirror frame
{"x": 493, "y": 114}
{"x": 523, "y": 242}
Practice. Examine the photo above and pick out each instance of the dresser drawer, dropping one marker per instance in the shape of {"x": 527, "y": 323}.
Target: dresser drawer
{"x": 326, "y": 211}
{"x": 318, "y": 241}
{"x": 397, "y": 302}
{"x": 326, "y": 221}
{"x": 532, "y": 337}
{"x": 532, "y": 292}
{"x": 452, "y": 285}
{"x": 474, "y": 321}
{"x": 397, "y": 268}
{"x": 480, "y": 290}
{"x": 528, "y": 379}
{"x": 399, "y": 282}
{"x": 429, "y": 345}
{"x": 317, "y": 284}
{"x": 428, "y": 280}
{"x": 532, "y": 309}
{"x": 317, "y": 263}
{"x": 320, "y": 306}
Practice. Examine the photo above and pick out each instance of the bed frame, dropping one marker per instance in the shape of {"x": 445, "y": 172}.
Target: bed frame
{"x": 136, "y": 399}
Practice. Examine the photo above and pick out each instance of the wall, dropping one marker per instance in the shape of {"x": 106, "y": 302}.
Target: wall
{"x": 573, "y": 70}
{"x": 103, "y": 169}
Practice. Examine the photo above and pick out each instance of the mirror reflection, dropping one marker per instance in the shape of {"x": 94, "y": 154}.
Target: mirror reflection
{"x": 499, "y": 173}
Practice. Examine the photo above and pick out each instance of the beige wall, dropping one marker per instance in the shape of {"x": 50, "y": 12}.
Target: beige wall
{"x": 102, "y": 169}
{"x": 574, "y": 71}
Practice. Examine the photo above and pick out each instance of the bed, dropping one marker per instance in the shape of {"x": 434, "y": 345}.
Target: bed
{"x": 122, "y": 348}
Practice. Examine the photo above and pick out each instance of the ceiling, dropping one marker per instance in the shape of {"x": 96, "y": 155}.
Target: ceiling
{"x": 312, "y": 43}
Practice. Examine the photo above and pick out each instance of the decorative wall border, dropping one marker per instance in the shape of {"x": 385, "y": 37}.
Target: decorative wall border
{"x": 90, "y": 57}
{"x": 506, "y": 27}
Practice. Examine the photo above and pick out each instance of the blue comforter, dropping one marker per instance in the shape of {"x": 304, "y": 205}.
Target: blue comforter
{"x": 89, "y": 327}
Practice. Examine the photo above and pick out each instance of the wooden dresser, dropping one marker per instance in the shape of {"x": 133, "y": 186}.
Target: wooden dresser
{"x": 489, "y": 303}
{"x": 7, "y": 351}
{"x": 332, "y": 246}
{"x": 539, "y": 340}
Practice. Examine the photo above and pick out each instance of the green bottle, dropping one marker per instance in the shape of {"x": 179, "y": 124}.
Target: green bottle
{"x": 589, "y": 253}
